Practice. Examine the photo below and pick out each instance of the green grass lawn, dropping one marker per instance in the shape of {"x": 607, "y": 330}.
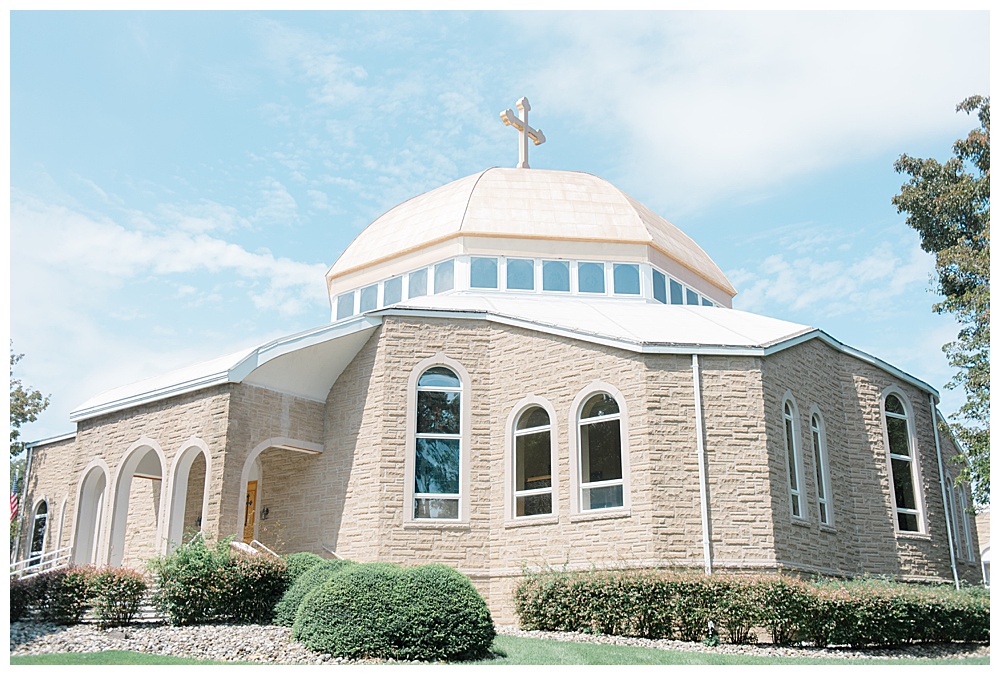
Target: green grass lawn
{"x": 525, "y": 651}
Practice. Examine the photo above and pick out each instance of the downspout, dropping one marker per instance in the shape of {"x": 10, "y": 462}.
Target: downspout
{"x": 702, "y": 461}
{"x": 944, "y": 492}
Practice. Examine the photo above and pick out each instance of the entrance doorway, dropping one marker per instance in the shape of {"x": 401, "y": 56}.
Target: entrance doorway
{"x": 250, "y": 516}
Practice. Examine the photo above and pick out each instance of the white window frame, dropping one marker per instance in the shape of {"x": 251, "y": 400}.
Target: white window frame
{"x": 824, "y": 495}
{"x": 913, "y": 459}
{"x": 34, "y": 520}
{"x": 796, "y": 493}
{"x": 966, "y": 525}
{"x": 576, "y": 447}
{"x": 512, "y": 434}
{"x": 465, "y": 425}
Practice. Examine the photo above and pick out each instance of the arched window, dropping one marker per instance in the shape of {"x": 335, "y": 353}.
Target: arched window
{"x": 438, "y": 452}
{"x": 902, "y": 470}
{"x": 532, "y": 463}
{"x": 38, "y": 529}
{"x": 600, "y": 443}
{"x": 794, "y": 461}
{"x": 822, "y": 469}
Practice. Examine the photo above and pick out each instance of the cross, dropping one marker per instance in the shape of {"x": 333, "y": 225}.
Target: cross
{"x": 525, "y": 132}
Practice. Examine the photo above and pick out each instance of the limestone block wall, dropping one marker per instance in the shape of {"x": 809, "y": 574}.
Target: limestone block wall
{"x": 259, "y": 418}
{"x": 103, "y": 443}
{"x": 862, "y": 538}
{"x": 50, "y": 478}
{"x": 143, "y": 518}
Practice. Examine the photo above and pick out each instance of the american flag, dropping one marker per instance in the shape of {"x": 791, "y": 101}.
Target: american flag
{"x": 14, "y": 503}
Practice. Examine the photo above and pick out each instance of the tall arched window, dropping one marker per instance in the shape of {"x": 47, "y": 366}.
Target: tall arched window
{"x": 600, "y": 443}
{"x": 793, "y": 459}
{"x": 533, "y": 463}
{"x": 822, "y": 469}
{"x": 438, "y": 452}
{"x": 902, "y": 472}
{"x": 38, "y": 528}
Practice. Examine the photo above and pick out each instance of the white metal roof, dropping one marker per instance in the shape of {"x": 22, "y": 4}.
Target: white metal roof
{"x": 307, "y": 364}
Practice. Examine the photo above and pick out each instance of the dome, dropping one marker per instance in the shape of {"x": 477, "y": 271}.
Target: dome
{"x": 497, "y": 207}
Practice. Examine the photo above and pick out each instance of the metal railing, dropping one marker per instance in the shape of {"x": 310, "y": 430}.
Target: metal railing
{"x": 42, "y": 562}
{"x": 253, "y": 548}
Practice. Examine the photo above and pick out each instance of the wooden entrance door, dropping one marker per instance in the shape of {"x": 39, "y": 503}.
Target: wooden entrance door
{"x": 251, "y": 512}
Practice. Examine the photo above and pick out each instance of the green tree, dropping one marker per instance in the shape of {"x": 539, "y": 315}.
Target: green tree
{"x": 26, "y": 404}
{"x": 949, "y": 205}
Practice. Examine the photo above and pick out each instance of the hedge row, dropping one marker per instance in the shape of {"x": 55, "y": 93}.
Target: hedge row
{"x": 691, "y": 607}
{"x": 65, "y": 595}
{"x": 199, "y": 583}
{"x": 317, "y": 575}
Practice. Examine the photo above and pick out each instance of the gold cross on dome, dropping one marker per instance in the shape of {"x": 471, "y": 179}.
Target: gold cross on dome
{"x": 524, "y": 131}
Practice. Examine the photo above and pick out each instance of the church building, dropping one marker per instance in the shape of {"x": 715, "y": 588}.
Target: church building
{"x": 523, "y": 367}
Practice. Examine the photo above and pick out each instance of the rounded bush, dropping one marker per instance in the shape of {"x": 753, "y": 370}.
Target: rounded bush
{"x": 298, "y": 563}
{"x": 378, "y": 610}
{"x": 117, "y": 594}
{"x": 20, "y": 598}
{"x": 308, "y": 581}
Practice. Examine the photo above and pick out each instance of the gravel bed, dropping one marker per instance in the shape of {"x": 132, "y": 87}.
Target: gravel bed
{"x": 273, "y": 644}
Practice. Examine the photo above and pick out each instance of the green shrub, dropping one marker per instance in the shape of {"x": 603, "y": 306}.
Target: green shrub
{"x": 377, "y": 610}
{"x": 61, "y": 596}
{"x": 859, "y": 613}
{"x": 251, "y": 587}
{"x": 199, "y": 583}
{"x": 20, "y": 598}
{"x": 190, "y": 581}
{"x": 117, "y": 594}
{"x": 314, "y": 577}
{"x": 298, "y": 563}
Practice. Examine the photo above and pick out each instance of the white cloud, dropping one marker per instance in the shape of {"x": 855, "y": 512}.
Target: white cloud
{"x": 709, "y": 104}
{"x": 830, "y": 287}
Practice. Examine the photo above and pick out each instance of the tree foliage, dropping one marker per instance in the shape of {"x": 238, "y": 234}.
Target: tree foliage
{"x": 949, "y": 205}
{"x": 26, "y": 404}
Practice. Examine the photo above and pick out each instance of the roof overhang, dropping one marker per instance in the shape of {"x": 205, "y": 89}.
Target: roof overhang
{"x": 305, "y": 365}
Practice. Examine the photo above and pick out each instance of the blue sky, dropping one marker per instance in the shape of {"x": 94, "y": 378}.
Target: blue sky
{"x": 180, "y": 181}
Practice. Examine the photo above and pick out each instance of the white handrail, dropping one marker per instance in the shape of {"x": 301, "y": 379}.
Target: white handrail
{"x": 43, "y": 562}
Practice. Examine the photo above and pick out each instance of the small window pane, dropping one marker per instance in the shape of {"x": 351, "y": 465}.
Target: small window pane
{"x": 534, "y": 461}
{"x": 437, "y": 466}
{"x": 439, "y": 377}
{"x": 626, "y": 279}
{"x": 599, "y": 406}
{"x": 418, "y": 284}
{"x": 590, "y": 277}
{"x": 369, "y": 297}
{"x": 555, "y": 275}
{"x": 345, "y": 305}
{"x": 894, "y": 405}
{"x": 899, "y": 441}
{"x": 660, "y": 286}
{"x": 706, "y": 302}
{"x": 907, "y": 522}
{"x": 444, "y": 276}
{"x": 692, "y": 297}
{"x": 676, "y": 293}
{"x": 534, "y": 505}
{"x": 520, "y": 275}
{"x": 793, "y": 473}
{"x": 601, "y": 445}
{"x": 534, "y": 417}
{"x": 435, "y": 508}
{"x": 438, "y": 412}
{"x": 902, "y": 480}
{"x": 484, "y": 273}
{"x": 603, "y": 497}
{"x": 392, "y": 291}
